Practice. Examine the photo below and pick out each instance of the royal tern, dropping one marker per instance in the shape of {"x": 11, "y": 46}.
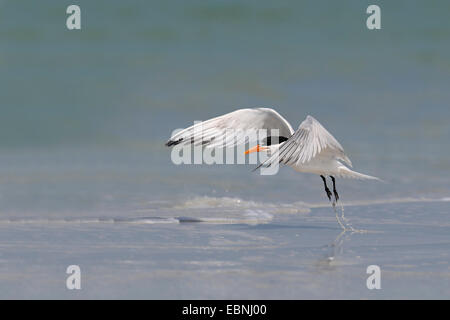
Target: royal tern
{"x": 311, "y": 148}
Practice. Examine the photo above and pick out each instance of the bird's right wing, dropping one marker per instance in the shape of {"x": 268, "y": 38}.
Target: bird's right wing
{"x": 213, "y": 132}
{"x": 310, "y": 139}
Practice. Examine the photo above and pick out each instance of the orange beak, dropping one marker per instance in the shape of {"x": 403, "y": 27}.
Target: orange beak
{"x": 258, "y": 148}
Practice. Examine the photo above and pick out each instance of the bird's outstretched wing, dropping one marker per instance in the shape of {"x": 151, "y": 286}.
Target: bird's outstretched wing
{"x": 310, "y": 140}
{"x": 213, "y": 132}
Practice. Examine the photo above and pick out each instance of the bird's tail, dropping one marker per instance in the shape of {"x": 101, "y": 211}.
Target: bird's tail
{"x": 345, "y": 172}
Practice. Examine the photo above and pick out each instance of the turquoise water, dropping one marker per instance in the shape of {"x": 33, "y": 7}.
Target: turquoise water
{"x": 85, "y": 177}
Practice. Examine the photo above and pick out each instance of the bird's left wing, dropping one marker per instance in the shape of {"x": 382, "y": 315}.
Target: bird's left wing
{"x": 310, "y": 139}
{"x": 232, "y": 129}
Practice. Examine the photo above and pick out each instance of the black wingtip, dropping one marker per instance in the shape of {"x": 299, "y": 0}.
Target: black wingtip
{"x": 259, "y": 166}
{"x": 173, "y": 142}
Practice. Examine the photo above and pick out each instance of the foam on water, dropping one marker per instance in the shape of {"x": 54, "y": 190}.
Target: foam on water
{"x": 214, "y": 210}
{"x": 206, "y": 202}
{"x": 237, "y": 203}
{"x": 215, "y": 202}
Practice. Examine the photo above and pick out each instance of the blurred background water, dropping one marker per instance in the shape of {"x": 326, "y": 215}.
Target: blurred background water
{"x": 85, "y": 114}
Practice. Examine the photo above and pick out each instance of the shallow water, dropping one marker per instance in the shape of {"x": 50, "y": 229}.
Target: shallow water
{"x": 209, "y": 235}
{"x": 279, "y": 256}
{"x": 85, "y": 178}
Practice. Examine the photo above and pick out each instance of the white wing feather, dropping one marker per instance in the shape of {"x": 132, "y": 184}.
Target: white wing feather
{"x": 212, "y": 132}
{"x": 310, "y": 139}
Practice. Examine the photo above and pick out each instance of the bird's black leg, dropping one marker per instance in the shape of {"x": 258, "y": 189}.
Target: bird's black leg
{"x": 326, "y": 188}
{"x": 336, "y": 196}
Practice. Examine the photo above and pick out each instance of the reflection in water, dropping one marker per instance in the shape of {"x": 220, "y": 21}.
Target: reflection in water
{"x": 338, "y": 243}
{"x": 327, "y": 261}
{"x": 337, "y": 246}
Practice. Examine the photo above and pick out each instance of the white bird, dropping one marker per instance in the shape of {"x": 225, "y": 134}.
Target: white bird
{"x": 311, "y": 148}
